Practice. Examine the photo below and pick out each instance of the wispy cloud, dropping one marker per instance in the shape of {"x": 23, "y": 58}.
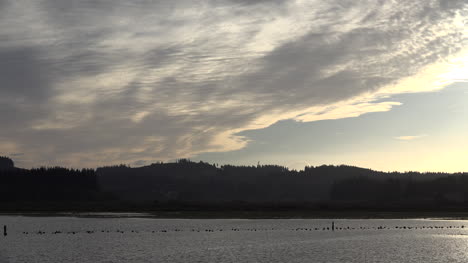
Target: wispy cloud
{"x": 98, "y": 82}
{"x": 410, "y": 137}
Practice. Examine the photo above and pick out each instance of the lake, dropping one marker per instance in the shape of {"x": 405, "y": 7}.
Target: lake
{"x": 128, "y": 238}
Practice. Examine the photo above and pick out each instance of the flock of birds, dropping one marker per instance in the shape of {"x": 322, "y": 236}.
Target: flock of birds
{"x": 208, "y": 230}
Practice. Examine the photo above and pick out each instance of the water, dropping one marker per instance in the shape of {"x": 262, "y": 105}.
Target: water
{"x": 233, "y": 240}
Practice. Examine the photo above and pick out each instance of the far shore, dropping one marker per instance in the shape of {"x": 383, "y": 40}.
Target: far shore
{"x": 293, "y": 214}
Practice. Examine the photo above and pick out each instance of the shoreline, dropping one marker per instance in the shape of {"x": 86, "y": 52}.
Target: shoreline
{"x": 422, "y": 215}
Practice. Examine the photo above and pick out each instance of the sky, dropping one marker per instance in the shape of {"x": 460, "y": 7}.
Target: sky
{"x": 381, "y": 84}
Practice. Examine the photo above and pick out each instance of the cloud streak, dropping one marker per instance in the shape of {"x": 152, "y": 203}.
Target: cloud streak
{"x": 89, "y": 83}
{"x": 410, "y": 137}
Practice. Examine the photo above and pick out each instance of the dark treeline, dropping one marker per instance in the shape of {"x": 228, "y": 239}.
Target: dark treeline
{"x": 55, "y": 184}
{"x": 6, "y": 163}
{"x": 198, "y": 185}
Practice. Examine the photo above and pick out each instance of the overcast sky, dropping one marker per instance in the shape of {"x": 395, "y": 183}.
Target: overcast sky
{"x": 88, "y": 83}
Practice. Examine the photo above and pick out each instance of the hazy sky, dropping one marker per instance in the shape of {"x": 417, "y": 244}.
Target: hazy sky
{"x": 381, "y": 84}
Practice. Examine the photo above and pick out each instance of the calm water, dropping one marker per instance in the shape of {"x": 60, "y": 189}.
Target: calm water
{"x": 169, "y": 240}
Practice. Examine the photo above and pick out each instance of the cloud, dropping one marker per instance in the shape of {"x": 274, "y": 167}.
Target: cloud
{"x": 410, "y": 137}
{"x": 88, "y": 83}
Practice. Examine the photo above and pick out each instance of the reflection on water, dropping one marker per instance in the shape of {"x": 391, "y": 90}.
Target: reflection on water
{"x": 70, "y": 239}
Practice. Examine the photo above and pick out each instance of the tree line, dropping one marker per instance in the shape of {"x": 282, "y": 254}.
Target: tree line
{"x": 185, "y": 183}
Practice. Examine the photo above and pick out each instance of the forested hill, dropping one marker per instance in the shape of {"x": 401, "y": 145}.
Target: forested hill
{"x": 198, "y": 184}
{"x": 201, "y": 182}
{"x": 204, "y": 183}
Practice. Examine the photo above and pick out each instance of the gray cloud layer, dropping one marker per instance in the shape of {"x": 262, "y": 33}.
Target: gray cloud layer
{"x": 89, "y": 83}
